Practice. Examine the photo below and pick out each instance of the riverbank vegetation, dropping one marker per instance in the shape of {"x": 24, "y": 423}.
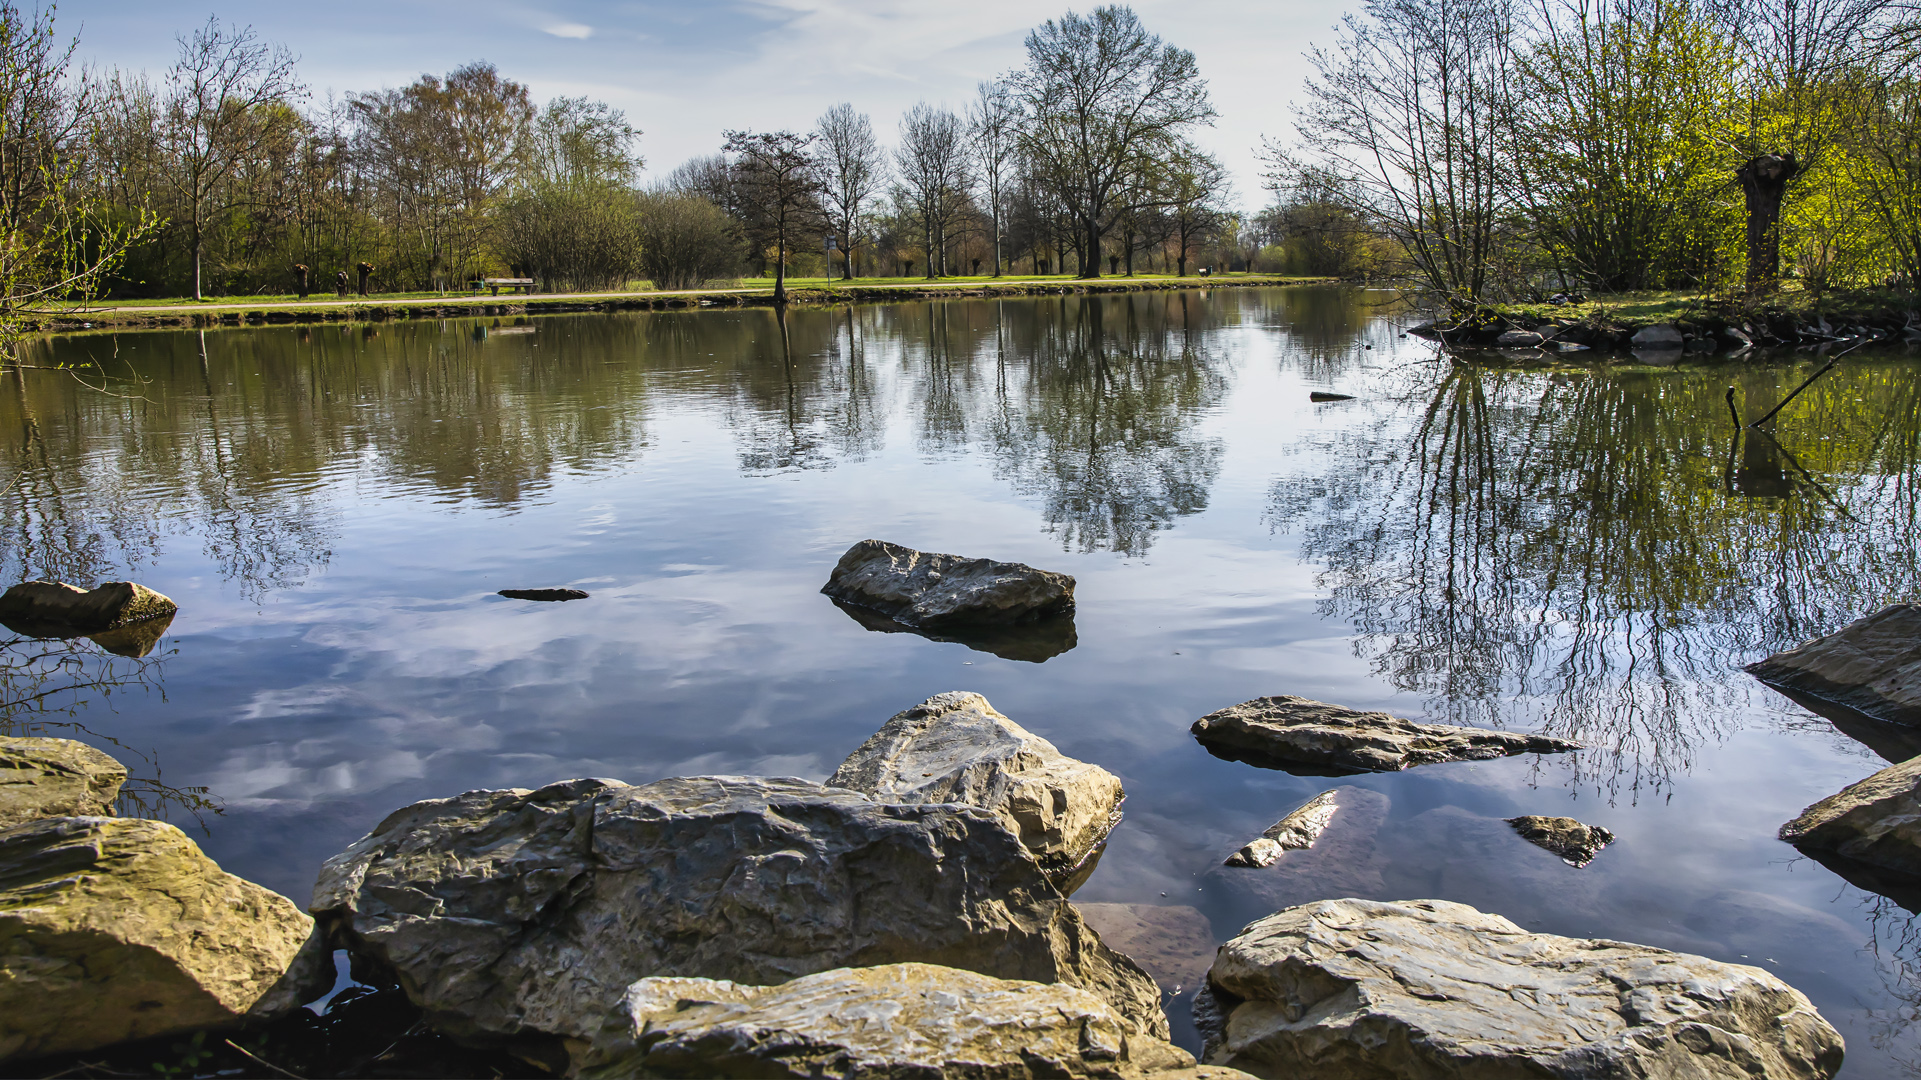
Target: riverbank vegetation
{"x": 229, "y": 176}
{"x": 1507, "y": 150}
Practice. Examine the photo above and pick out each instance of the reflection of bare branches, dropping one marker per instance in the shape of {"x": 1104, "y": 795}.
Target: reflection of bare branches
{"x": 44, "y": 679}
{"x": 1895, "y": 943}
{"x": 1560, "y": 552}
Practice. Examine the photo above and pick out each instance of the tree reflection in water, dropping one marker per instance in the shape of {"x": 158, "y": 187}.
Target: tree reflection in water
{"x": 1579, "y": 553}
{"x": 46, "y": 684}
{"x": 1100, "y": 422}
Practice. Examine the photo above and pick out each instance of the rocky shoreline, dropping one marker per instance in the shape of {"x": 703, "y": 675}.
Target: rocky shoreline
{"x": 1705, "y": 334}
{"x": 909, "y": 917}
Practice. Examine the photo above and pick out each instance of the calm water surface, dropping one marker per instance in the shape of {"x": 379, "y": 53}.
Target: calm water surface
{"x": 1577, "y": 551}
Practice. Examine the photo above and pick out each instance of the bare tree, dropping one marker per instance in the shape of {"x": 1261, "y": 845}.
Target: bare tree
{"x": 932, "y": 159}
{"x": 993, "y": 132}
{"x": 1195, "y": 186}
{"x": 1409, "y": 111}
{"x": 777, "y": 184}
{"x": 224, "y": 102}
{"x": 1100, "y": 94}
{"x": 853, "y": 169}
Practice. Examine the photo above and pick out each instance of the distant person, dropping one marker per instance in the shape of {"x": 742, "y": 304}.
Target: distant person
{"x": 366, "y": 270}
{"x": 340, "y": 284}
{"x": 300, "y": 279}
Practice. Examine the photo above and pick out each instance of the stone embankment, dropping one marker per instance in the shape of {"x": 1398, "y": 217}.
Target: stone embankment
{"x": 1704, "y": 334}
{"x": 459, "y": 307}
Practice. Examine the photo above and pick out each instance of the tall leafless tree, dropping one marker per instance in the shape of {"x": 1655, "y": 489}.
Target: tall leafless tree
{"x": 227, "y": 96}
{"x": 1409, "y": 110}
{"x": 932, "y": 160}
{"x": 993, "y": 131}
{"x": 853, "y": 170}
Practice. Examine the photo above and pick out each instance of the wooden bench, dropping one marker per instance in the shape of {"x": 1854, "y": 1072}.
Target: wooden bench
{"x": 524, "y": 284}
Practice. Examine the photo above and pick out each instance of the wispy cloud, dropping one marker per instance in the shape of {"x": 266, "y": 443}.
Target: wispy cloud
{"x": 577, "y": 31}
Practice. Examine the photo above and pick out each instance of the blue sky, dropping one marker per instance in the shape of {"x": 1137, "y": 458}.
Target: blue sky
{"x": 684, "y": 71}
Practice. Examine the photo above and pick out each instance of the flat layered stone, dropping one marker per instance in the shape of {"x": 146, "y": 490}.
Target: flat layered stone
{"x": 114, "y": 929}
{"x": 1312, "y": 737}
{"x": 906, "y": 1020}
{"x": 955, "y": 748}
{"x": 1876, "y": 821}
{"x": 932, "y": 591}
{"x": 55, "y": 609}
{"x": 1341, "y": 989}
{"x": 45, "y": 778}
{"x": 1872, "y": 665}
{"x": 522, "y": 914}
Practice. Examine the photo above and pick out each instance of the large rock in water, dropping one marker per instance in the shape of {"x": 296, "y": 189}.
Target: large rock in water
{"x": 954, "y": 748}
{"x": 54, "y": 609}
{"x": 114, "y": 929}
{"x": 1876, "y": 821}
{"x": 933, "y": 592}
{"x": 43, "y": 778}
{"x": 906, "y": 1020}
{"x": 1314, "y": 738}
{"x": 1422, "y": 989}
{"x": 525, "y": 913}
{"x": 1872, "y": 665}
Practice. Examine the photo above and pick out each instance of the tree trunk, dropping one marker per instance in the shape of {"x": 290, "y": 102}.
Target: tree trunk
{"x": 1091, "y": 264}
{"x": 997, "y": 238}
{"x": 847, "y": 259}
{"x": 1765, "y": 182}
{"x": 780, "y": 268}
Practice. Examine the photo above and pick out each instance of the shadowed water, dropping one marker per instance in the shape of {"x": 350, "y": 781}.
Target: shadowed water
{"x": 1585, "y": 552}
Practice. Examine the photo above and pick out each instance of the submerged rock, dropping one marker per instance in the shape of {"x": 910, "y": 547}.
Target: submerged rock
{"x": 542, "y": 594}
{"x": 1519, "y": 339}
{"x": 114, "y": 929}
{"x": 1314, "y": 738}
{"x": 1872, "y": 665}
{"x": 1346, "y": 859}
{"x": 954, "y": 748}
{"x": 904, "y": 1020}
{"x": 1028, "y": 642}
{"x": 1575, "y": 843}
{"x": 1299, "y": 829}
{"x": 53, "y": 609}
{"x": 931, "y": 591}
{"x": 1876, "y": 821}
{"x": 44, "y": 778}
{"x": 523, "y": 913}
{"x": 1426, "y": 988}
{"x": 1174, "y": 943}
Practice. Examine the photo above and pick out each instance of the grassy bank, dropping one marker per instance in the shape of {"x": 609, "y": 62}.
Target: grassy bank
{"x": 810, "y": 291}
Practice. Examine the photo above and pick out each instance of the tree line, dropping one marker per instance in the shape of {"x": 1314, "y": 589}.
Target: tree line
{"x": 1495, "y": 149}
{"x": 226, "y": 175}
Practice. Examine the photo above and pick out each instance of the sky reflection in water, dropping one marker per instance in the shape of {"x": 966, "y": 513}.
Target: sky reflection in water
{"x": 334, "y": 509}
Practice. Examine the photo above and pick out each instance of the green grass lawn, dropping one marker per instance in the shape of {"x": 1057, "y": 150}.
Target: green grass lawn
{"x": 1646, "y": 308}
{"x": 289, "y": 299}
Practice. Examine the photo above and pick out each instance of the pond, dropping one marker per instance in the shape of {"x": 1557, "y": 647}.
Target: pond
{"x": 1578, "y": 550}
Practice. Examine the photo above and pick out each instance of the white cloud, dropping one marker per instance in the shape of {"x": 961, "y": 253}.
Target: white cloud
{"x": 577, "y": 31}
